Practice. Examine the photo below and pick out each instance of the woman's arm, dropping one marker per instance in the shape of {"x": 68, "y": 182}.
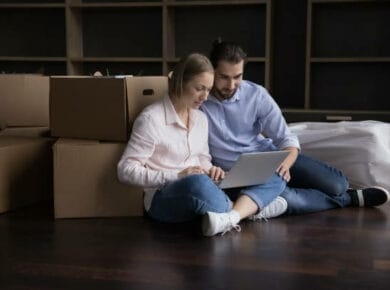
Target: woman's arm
{"x": 131, "y": 168}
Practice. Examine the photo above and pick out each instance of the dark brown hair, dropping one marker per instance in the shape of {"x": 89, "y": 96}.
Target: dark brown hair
{"x": 228, "y": 51}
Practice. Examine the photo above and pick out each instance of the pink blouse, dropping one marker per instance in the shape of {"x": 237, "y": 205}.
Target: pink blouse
{"x": 161, "y": 146}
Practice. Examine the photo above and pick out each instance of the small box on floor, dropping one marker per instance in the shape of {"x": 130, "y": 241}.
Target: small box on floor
{"x": 86, "y": 183}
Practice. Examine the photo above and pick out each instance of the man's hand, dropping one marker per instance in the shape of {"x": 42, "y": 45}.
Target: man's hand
{"x": 284, "y": 168}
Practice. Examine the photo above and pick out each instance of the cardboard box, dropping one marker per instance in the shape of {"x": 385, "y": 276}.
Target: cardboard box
{"x": 88, "y": 107}
{"x": 24, "y": 100}
{"x": 26, "y": 132}
{"x": 25, "y": 171}
{"x": 100, "y": 108}
{"x": 86, "y": 183}
{"x": 141, "y": 92}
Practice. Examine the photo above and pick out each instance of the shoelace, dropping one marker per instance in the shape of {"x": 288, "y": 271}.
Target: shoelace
{"x": 258, "y": 217}
{"x": 230, "y": 227}
{"x": 235, "y": 227}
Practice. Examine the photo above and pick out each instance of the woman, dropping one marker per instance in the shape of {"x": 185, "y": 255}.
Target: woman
{"x": 168, "y": 155}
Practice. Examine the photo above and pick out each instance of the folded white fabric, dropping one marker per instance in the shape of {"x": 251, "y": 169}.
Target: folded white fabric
{"x": 361, "y": 149}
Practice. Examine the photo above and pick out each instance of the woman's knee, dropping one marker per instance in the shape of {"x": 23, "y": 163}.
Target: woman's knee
{"x": 196, "y": 179}
{"x": 197, "y": 183}
{"x": 201, "y": 187}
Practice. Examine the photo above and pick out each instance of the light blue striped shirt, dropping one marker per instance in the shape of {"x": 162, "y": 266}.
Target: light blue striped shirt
{"x": 249, "y": 121}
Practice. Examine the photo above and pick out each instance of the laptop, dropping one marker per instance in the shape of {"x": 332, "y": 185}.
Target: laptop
{"x": 253, "y": 168}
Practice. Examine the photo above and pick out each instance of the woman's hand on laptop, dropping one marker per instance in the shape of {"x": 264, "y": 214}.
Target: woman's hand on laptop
{"x": 216, "y": 173}
{"x": 189, "y": 171}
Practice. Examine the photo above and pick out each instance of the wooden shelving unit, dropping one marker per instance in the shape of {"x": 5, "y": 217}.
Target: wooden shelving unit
{"x": 131, "y": 37}
{"x": 32, "y": 37}
{"x": 320, "y": 59}
{"x": 348, "y": 59}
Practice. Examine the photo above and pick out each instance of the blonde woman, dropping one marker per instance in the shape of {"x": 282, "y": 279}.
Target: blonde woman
{"x": 168, "y": 154}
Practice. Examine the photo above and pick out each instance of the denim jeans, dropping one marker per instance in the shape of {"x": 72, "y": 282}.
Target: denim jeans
{"x": 315, "y": 186}
{"x": 188, "y": 197}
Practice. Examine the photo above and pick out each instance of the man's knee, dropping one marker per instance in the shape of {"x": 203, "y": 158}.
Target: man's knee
{"x": 277, "y": 182}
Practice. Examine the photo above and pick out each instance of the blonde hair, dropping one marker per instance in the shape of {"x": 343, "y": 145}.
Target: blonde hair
{"x": 185, "y": 70}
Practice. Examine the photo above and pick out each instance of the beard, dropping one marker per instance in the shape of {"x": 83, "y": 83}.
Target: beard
{"x": 223, "y": 94}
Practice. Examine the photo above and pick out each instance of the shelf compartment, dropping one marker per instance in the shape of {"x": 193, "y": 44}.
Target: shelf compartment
{"x": 255, "y": 72}
{"x": 123, "y": 4}
{"x": 32, "y": 32}
{"x": 32, "y": 59}
{"x": 192, "y": 34}
{"x": 116, "y": 59}
{"x": 118, "y": 68}
{"x": 32, "y": 3}
{"x": 354, "y": 29}
{"x": 117, "y": 32}
{"x": 36, "y": 66}
{"x": 349, "y": 59}
{"x": 350, "y": 86}
{"x": 215, "y": 2}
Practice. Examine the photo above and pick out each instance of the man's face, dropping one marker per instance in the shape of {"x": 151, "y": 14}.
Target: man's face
{"x": 227, "y": 78}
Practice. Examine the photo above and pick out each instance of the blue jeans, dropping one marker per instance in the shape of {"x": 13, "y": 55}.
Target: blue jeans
{"x": 315, "y": 186}
{"x": 188, "y": 197}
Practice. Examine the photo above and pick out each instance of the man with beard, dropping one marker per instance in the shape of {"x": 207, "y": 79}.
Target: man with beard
{"x": 243, "y": 117}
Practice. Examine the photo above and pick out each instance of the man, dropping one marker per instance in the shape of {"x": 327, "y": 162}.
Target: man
{"x": 243, "y": 117}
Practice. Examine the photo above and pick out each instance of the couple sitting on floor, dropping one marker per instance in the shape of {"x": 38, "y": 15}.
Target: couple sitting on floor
{"x": 177, "y": 152}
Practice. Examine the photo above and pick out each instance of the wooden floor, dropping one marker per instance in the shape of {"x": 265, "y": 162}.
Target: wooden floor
{"x": 338, "y": 249}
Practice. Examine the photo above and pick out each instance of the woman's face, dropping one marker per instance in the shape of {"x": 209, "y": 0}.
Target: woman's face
{"x": 196, "y": 91}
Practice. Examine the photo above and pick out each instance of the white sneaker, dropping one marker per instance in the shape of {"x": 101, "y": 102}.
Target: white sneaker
{"x": 214, "y": 223}
{"x": 276, "y": 208}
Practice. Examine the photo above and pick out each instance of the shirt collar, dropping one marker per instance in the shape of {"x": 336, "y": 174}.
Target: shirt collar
{"x": 171, "y": 116}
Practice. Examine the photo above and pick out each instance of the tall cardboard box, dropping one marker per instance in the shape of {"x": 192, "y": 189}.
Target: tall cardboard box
{"x": 24, "y": 101}
{"x": 25, "y": 171}
{"x": 86, "y": 183}
{"x": 100, "y": 108}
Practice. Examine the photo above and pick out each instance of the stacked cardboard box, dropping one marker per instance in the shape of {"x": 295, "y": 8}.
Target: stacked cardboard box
{"x": 93, "y": 118}
{"x": 24, "y": 103}
{"x": 25, "y": 156}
